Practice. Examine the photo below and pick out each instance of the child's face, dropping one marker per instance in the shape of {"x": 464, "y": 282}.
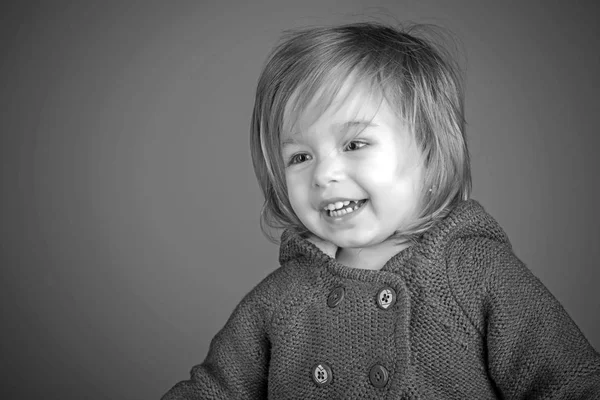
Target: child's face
{"x": 357, "y": 155}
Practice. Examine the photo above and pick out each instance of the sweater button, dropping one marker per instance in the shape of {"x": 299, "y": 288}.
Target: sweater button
{"x": 322, "y": 374}
{"x": 386, "y": 298}
{"x": 336, "y": 296}
{"x": 379, "y": 376}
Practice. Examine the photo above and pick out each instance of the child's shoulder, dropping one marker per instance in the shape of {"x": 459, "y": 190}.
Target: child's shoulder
{"x": 286, "y": 280}
{"x": 477, "y": 254}
{"x": 476, "y": 261}
{"x": 481, "y": 266}
{"x": 475, "y": 245}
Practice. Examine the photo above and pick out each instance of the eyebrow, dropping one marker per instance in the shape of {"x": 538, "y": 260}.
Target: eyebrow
{"x": 287, "y": 142}
{"x": 361, "y": 124}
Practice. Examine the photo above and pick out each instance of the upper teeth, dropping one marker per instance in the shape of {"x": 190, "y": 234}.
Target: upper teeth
{"x": 339, "y": 204}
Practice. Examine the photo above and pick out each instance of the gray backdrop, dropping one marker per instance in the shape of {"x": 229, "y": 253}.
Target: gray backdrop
{"x": 129, "y": 207}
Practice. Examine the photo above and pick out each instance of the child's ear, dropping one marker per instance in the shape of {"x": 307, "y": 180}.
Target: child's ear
{"x": 326, "y": 247}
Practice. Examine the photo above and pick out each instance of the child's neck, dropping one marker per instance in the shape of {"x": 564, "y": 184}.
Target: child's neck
{"x": 373, "y": 257}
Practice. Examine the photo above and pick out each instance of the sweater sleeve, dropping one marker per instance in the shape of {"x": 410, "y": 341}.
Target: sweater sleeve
{"x": 236, "y": 366}
{"x": 534, "y": 349}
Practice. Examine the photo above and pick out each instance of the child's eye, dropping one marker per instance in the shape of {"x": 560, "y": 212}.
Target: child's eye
{"x": 355, "y": 145}
{"x": 299, "y": 158}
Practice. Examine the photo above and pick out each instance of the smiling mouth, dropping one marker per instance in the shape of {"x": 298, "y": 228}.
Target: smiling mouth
{"x": 342, "y": 208}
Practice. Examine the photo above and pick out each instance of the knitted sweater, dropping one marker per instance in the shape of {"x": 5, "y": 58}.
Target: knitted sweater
{"x": 455, "y": 316}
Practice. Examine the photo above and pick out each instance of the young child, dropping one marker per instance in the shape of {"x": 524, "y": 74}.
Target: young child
{"x": 393, "y": 283}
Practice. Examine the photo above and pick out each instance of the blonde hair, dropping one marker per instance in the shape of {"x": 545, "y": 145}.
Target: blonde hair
{"x": 418, "y": 78}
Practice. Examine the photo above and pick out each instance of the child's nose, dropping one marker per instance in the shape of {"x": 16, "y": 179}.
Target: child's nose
{"x": 327, "y": 171}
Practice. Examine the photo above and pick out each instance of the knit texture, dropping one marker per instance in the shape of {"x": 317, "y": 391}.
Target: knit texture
{"x": 469, "y": 321}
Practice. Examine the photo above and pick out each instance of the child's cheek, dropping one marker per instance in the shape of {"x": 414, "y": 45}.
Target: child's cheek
{"x": 377, "y": 170}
